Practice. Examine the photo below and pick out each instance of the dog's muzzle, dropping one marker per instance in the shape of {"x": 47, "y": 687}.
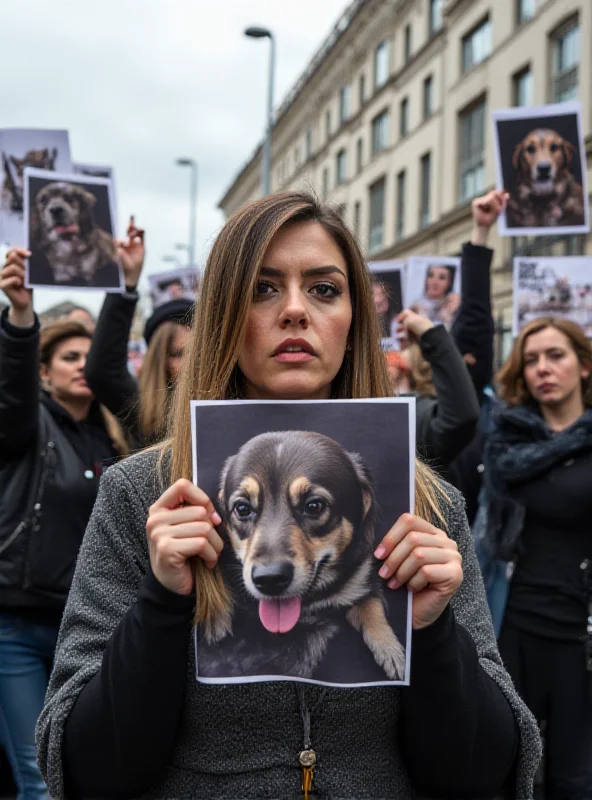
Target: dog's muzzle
{"x": 277, "y": 614}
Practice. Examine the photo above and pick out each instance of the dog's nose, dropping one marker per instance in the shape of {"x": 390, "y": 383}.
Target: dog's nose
{"x": 543, "y": 170}
{"x": 273, "y": 579}
{"x": 56, "y": 211}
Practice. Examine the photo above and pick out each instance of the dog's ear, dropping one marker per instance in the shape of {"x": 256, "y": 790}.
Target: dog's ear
{"x": 568, "y": 151}
{"x": 223, "y": 475}
{"x": 517, "y": 157}
{"x": 368, "y": 496}
{"x": 89, "y": 198}
{"x": 87, "y": 201}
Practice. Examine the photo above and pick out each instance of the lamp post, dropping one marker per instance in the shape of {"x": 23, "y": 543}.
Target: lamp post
{"x": 189, "y": 162}
{"x": 263, "y": 33}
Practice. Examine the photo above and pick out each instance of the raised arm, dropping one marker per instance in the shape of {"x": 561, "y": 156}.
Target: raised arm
{"x": 19, "y": 359}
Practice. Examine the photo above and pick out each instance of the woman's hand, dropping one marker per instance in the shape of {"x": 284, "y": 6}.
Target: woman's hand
{"x": 180, "y": 527}
{"x": 131, "y": 253}
{"x": 485, "y": 211}
{"x": 423, "y": 558}
{"x": 12, "y": 283}
{"x": 414, "y": 324}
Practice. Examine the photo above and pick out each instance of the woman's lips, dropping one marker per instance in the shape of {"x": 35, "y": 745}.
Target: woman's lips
{"x": 294, "y": 357}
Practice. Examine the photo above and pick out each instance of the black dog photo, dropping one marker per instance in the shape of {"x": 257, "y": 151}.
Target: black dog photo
{"x": 306, "y": 492}
{"x": 70, "y": 227}
{"x": 539, "y": 155}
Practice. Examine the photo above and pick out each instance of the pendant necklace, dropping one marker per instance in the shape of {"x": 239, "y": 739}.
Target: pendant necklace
{"x": 307, "y": 758}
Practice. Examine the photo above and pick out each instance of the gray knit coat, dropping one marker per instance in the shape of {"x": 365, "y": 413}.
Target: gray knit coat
{"x": 240, "y": 741}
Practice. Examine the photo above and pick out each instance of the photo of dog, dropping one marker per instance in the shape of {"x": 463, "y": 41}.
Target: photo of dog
{"x": 69, "y": 244}
{"x": 299, "y": 516}
{"x": 558, "y": 287}
{"x": 12, "y": 188}
{"x": 539, "y": 155}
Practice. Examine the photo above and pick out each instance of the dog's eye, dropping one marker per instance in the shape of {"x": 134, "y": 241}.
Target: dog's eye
{"x": 242, "y": 509}
{"x": 554, "y": 148}
{"x": 315, "y": 507}
{"x": 531, "y": 149}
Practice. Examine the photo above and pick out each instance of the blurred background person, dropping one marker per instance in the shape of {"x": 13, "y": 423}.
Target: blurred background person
{"x": 538, "y": 468}
{"x": 55, "y": 440}
{"x": 83, "y": 315}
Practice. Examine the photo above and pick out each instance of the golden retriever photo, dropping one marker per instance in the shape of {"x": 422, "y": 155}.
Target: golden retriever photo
{"x": 299, "y": 515}
{"x": 540, "y": 165}
{"x": 70, "y": 232}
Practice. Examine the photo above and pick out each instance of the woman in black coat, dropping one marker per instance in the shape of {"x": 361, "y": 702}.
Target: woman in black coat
{"x": 538, "y": 473}
{"x": 54, "y": 444}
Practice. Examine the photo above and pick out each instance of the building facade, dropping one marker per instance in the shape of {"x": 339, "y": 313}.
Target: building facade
{"x": 391, "y": 120}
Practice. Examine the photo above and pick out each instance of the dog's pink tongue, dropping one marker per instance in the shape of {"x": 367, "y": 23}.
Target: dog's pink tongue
{"x": 279, "y": 616}
{"x": 61, "y": 229}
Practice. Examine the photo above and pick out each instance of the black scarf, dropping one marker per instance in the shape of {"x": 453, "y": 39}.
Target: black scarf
{"x": 521, "y": 446}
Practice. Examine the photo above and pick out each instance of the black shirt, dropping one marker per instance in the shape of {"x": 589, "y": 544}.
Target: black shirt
{"x": 547, "y": 593}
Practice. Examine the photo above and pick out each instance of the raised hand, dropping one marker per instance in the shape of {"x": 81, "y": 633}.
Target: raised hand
{"x": 132, "y": 253}
{"x": 486, "y": 210}
{"x": 12, "y": 283}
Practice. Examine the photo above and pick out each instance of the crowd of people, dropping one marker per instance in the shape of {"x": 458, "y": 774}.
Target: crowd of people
{"x": 109, "y": 553}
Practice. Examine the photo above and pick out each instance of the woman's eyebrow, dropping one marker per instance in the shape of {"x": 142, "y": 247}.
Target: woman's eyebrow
{"x": 273, "y": 272}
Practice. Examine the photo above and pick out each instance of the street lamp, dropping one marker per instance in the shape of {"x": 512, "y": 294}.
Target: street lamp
{"x": 263, "y": 33}
{"x": 172, "y": 260}
{"x": 189, "y": 162}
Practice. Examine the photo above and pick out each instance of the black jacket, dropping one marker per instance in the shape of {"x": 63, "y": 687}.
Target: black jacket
{"x": 445, "y": 423}
{"x": 50, "y": 466}
{"x": 106, "y": 365}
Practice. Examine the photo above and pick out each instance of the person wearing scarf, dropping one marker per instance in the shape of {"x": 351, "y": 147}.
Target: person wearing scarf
{"x": 538, "y": 468}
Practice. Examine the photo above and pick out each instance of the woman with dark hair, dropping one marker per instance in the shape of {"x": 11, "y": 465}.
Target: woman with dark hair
{"x": 538, "y": 469}
{"x": 54, "y": 443}
{"x": 141, "y": 404}
{"x": 124, "y": 715}
{"x": 438, "y": 302}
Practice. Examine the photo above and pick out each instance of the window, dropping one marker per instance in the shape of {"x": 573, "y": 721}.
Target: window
{"x": 327, "y": 124}
{"x": 565, "y": 59}
{"x": 428, "y": 107}
{"x": 381, "y": 64}
{"x": 523, "y": 87}
{"x": 407, "y": 43}
{"x": 426, "y": 169}
{"x": 326, "y": 180}
{"x": 476, "y": 45}
{"x": 401, "y": 186}
{"x": 341, "y": 167}
{"x": 309, "y": 144}
{"x": 380, "y": 125}
{"x": 362, "y": 89}
{"x": 376, "y": 231}
{"x": 344, "y": 104}
{"x": 357, "y": 217}
{"x": 472, "y": 151}
{"x": 525, "y": 10}
{"x": 404, "y": 118}
{"x": 436, "y": 7}
{"x": 359, "y": 155}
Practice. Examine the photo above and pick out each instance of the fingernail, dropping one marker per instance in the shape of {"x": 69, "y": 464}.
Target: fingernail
{"x": 384, "y": 571}
{"x": 380, "y": 552}
{"x": 393, "y": 583}
{"x": 216, "y": 518}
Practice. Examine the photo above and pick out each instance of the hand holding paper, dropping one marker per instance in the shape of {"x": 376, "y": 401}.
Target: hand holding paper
{"x": 12, "y": 283}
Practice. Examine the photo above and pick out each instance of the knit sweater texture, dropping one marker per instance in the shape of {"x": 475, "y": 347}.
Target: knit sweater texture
{"x": 239, "y": 741}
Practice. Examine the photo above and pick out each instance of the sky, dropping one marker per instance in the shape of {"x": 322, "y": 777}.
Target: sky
{"x": 139, "y": 83}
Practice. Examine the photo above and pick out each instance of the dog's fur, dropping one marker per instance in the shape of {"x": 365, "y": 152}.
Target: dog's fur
{"x": 12, "y": 187}
{"x": 281, "y": 477}
{"x": 547, "y": 194}
{"x": 85, "y": 248}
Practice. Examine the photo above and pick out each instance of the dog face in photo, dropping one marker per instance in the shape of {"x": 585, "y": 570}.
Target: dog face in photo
{"x": 74, "y": 245}
{"x": 14, "y": 169}
{"x": 547, "y": 194}
{"x": 299, "y": 512}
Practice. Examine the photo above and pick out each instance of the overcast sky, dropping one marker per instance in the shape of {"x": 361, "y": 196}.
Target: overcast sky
{"x": 140, "y": 82}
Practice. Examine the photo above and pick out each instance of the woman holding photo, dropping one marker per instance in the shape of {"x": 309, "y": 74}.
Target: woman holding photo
{"x": 286, "y": 312}
{"x": 55, "y": 440}
{"x": 538, "y": 467}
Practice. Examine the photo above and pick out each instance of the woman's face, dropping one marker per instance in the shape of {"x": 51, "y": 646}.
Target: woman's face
{"x": 437, "y": 283}
{"x": 64, "y": 376}
{"x": 552, "y": 371}
{"x": 176, "y": 352}
{"x": 300, "y": 317}
{"x": 381, "y": 300}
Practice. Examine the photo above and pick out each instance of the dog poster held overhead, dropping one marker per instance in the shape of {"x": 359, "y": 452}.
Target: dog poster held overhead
{"x": 70, "y": 225}
{"x": 306, "y": 491}
{"x": 21, "y": 148}
{"x": 540, "y": 162}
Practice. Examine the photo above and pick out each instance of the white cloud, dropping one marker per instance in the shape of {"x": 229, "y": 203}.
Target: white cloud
{"x": 140, "y": 82}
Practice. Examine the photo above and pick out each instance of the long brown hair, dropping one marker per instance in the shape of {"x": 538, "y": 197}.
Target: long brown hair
{"x": 155, "y": 388}
{"x": 211, "y": 365}
{"x": 512, "y": 386}
{"x": 51, "y": 338}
